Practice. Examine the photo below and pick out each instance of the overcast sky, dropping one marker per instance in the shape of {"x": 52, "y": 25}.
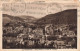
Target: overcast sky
{"x": 36, "y": 10}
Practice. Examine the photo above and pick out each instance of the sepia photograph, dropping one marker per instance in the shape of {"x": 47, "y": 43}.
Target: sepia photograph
{"x": 39, "y": 26}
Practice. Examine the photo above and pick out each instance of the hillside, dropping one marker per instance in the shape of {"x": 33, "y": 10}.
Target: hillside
{"x": 63, "y": 17}
{"x": 24, "y": 19}
{"x": 28, "y": 18}
{"x": 12, "y": 17}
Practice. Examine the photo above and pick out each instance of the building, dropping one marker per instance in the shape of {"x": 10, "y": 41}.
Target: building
{"x": 49, "y": 29}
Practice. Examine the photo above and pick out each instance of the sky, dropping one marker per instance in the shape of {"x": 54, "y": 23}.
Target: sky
{"x": 37, "y": 10}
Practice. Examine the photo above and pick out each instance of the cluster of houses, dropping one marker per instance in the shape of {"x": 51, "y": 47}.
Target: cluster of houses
{"x": 58, "y": 36}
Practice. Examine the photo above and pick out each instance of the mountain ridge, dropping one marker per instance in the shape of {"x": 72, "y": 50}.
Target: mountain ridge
{"x": 63, "y": 17}
{"x": 17, "y": 18}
